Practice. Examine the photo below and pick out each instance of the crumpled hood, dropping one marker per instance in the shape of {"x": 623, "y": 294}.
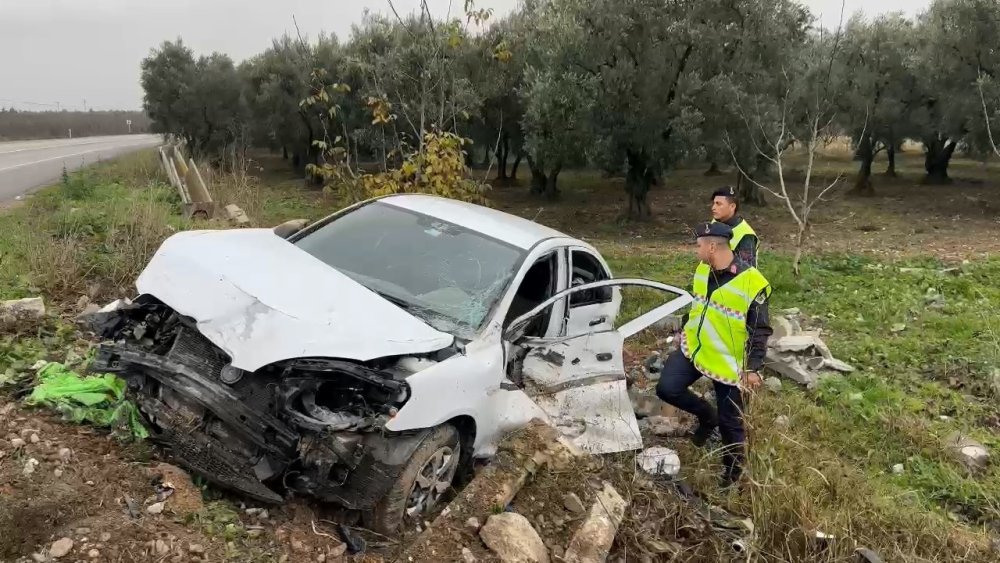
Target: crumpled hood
{"x": 263, "y": 300}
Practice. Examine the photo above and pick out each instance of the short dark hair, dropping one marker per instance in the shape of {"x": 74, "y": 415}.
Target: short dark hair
{"x": 729, "y": 193}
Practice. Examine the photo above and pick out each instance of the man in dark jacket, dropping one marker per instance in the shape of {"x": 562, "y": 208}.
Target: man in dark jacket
{"x": 725, "y": 206}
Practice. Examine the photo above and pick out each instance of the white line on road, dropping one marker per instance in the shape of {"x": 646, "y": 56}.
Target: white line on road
{"x": 47, "y": 147}
{"x": 64, "y": 156}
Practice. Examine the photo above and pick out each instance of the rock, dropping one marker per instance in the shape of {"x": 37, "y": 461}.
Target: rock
{"x": 837, "y": 365}
{"x": 60, "y": 548}
{"x": 236, "y": 215}
{"x": 156, "y": 507}
{"x": 338, "y": 551}
{"x": 573, "y": 503}
{"x": 65, "y": 455}
{"x": 781, "y": 420}
{"x": 794, "y": 343}
{"x": 196, "y": 548}
{"x": 658, "y": 460}
{"x": 34, "y": 439}
{"x": 298, "y": 546}
{"x": 58, "y": 472}
{"x": 473, "y": 523}
{"x": 898, "y": 469}
{"x": 81, "y": 531}
{"x": 773, "y": 384}
{"x": 512, "y": 538}
{"x": 664, "y": 426}
{"x": 789, "y": 367}
{"x": 17, "y": 443}
{"x": 93, "y": 554}
{"x": 283, "y": 558}
{"x": 161, "y": 547}
{"x": 39, "y": 557}
{"x": 654, "y": 363}
{"x": 106, "y": 537}
{"x": 29, "y": 466}
{"x": 782, "y": 327}
{"x": 592, "y": 541}
{"x": 467, "y": 556}
{"x": 32, "y": 308}
{"x": 972, "y": 454}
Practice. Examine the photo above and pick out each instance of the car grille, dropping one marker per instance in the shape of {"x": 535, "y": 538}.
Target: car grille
{"x": 193, "y": 349}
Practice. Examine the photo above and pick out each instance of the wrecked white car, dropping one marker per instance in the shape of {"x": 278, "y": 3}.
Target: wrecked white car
{"x": 368, "y": 358}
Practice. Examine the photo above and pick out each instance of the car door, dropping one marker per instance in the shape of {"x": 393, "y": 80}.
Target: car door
{"x": 592, "y": 310}
{"x": 578, "y": 379}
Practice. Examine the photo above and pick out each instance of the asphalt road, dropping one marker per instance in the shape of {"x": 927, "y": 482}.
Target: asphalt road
{"x": 27, "y": 165}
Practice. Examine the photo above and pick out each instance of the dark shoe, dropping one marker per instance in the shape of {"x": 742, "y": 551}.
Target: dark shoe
{"x": 704, "y": 432}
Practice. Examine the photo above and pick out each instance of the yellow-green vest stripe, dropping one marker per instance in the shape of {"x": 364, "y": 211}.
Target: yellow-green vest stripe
{"x": 739, "y": 231}
{"x": 715, "y": 336}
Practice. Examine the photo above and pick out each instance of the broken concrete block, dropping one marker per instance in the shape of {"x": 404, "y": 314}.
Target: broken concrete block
{"x": 972, "y": 454}
{"x": 592, "y": 541}
{"x": 236, "y": 215}
{"x": 782, "y": 327}
{"x": 789, "y": 367}
{"x": 513, "y": 539}
{"x": 837, "y": 365}
{"x": 32, "y": 307}
{"x": 795, "y": 343}
{"x": 659, "y": 461}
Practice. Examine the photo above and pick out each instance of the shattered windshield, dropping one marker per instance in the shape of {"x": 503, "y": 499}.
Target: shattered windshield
{"x": 446, "y": 275}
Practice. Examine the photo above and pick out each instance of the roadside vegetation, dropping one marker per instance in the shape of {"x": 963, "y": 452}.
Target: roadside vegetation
{"x": 19, "y": 125}
{"x": 918, "y": 325}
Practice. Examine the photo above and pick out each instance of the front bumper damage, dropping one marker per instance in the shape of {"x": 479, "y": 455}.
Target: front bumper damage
{"x": 251, "y": 435}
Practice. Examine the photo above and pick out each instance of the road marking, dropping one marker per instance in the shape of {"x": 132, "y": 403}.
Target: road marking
{"x": 65, "y": 156}
{"x": 55, "y": 146}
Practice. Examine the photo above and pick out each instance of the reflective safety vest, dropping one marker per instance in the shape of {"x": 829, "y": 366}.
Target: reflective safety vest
{"x": 740, "y": 231}
{"x": 715, "y": 336}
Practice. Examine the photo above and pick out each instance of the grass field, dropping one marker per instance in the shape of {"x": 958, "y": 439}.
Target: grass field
{"x": 928, "y": 366}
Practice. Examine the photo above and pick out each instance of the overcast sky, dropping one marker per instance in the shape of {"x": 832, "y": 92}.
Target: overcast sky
{"x": 68, "y": 51}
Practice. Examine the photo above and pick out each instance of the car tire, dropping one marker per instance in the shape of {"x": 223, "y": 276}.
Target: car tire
{"x": 418, "y": 490}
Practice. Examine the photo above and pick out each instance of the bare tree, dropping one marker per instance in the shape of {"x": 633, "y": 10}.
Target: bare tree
{"x": 804, "y": 115}
{"x": 986, "y": 114}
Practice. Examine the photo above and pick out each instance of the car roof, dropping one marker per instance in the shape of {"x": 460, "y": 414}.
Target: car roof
{"x": 511, "y": 229}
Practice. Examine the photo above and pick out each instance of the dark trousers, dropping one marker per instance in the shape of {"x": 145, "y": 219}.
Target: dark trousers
{"x": 678, "y": 374}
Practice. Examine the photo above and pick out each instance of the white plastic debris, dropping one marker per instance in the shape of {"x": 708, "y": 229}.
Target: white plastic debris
{"x": 658, "y": 460}
{"x": 115, "y": 305}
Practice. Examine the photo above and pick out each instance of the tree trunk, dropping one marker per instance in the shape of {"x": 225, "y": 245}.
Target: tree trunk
{"x": 749, "y": 192}
{"x": 513, "y": 168}
{"x": 503, "y": 148}
{"x": 551, "y": 183}
{"x": 713, "y": 169}
{"x": 486, "y": 157}
{"x": 890, "y": 154}
{"x": 938, "y": 153}
{"x": 538, "y": 179}
{"x": 799, "y": 243}
{"x": 865, "y": 154}
{"x": 284, "y": 152}
{"x": 639, "y": 178}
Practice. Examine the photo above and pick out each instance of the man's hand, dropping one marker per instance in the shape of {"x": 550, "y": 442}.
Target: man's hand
{"x": 751, "y": 380}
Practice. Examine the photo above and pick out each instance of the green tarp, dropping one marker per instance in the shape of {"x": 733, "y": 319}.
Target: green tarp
{"x": 94, "y": 399}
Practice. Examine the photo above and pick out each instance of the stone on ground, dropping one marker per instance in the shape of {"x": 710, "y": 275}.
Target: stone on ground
{"x": 513, "y": 539}
{"x": 592, "y": 541}
{"x": 61, "y": 548}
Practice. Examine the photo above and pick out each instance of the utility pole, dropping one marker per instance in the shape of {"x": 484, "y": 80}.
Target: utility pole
{"x": 70, "y": 133}
{"x": 129, "y": 123}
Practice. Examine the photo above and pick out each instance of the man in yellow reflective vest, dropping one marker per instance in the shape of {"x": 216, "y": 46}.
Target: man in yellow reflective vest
{"x": 745, "y": 242}
{"x": 724, "y": 339}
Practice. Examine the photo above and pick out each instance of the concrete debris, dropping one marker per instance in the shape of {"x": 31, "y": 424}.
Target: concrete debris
{"x": 658, "y": 460}
{"x": 513, "y": 539}
{"x": 800, "y": 355}
{"x": 592, "y": 541}
{"x": 773, "y": 384}
{"x": 972, "y": 454}
{"x": 60, "y": 548}
{"x": 156, "y": 507}
{"x": 29, "y": 466}
{"x": 573, "y": 503}
{"x": 32, "y": 307}
{"x": 236, "y": 215}
{"x": 664, "y": 426}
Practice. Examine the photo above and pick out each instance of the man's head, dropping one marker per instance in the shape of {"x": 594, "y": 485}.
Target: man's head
{"x": 713, "y": 244}
{"x": 724, "y": 204}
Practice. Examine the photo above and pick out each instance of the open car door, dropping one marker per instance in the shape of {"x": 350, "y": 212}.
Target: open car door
{"x": 578, "y": 380}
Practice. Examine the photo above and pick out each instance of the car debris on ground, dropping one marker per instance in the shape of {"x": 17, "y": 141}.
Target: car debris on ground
{"x": 799, "y": 355}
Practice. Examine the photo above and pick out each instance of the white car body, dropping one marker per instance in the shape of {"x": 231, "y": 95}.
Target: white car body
{"x": 263, "y": 299}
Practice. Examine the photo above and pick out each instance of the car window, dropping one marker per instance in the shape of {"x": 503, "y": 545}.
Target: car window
{"x": 587, "y": 269}
{"x": 447, "y": 275}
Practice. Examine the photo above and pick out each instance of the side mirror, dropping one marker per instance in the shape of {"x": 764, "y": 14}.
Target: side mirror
{"x": 289, "y": 228}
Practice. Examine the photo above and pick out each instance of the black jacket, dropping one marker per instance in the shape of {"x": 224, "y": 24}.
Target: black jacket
{"x": 758, "y": 319}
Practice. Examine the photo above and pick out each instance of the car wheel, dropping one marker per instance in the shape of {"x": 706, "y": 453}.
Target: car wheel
{"x": 420, "y": 487}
